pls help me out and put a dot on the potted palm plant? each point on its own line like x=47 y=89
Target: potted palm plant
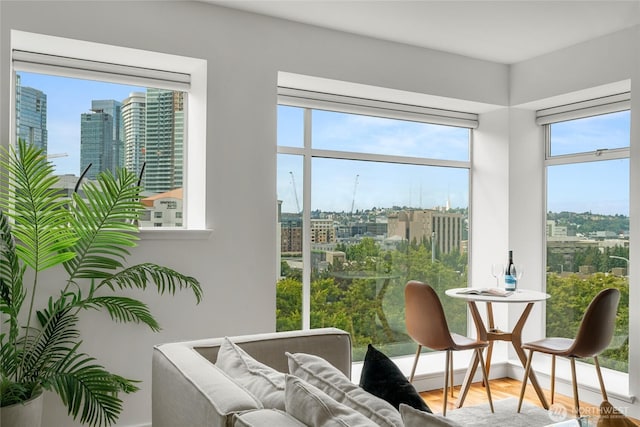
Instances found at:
x=89 y=238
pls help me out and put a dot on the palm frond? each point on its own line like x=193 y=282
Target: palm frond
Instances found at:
x=12 y=392
x=104 y=223
x=165 y=279
x=88 y=390
x=12 y=293
x=40 y=221
x=55 y=340
x=123 y=309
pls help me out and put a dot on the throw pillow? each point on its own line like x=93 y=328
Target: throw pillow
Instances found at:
x=611 y=417
x=381 y=377
x=318 y=372
x=313 y=407
x=264 y=418
x=264 y=382
x=415 y=418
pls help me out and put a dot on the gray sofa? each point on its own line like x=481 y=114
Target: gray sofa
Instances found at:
x=189 y=390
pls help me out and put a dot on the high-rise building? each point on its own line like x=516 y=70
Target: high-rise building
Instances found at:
x=96 y=143
x=134 y=129
x=164 y=140
x=31 y=115
x=113 y=108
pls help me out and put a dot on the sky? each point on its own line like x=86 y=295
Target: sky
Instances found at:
x=346 y=185
x=67 y=99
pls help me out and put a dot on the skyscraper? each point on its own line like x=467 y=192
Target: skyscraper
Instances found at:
x=96 y=143
x=133 y=121
x=31 y=115
x=164 y=140
x=113 y=108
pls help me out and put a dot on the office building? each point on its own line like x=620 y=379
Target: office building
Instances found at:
x=96 y=143
x=164 y=140
x=31 y=115
x=133 y=135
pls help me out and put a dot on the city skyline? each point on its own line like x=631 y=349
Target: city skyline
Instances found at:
x=342 y=186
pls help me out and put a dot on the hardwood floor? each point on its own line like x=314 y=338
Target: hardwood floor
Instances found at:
x=500 y=389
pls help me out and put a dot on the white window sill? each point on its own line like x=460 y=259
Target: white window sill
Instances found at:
x=174 y=234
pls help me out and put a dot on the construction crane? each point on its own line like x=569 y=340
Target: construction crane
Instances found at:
x=56 y=155
x=295 y=192
x=353 y=200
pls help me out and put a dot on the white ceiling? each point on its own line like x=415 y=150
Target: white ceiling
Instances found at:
x=506 y=31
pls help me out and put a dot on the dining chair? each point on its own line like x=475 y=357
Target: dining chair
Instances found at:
x=427 y=326
x=594 y=335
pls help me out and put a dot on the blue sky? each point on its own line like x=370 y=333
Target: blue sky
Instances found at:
x=600 y=187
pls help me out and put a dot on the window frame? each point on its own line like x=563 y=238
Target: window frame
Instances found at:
x=312 y=100
x=589 y=108
x=195 y=127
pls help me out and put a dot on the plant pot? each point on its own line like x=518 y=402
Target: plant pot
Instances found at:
x=23 y=414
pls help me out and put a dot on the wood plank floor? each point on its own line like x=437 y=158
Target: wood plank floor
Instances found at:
x=500 y=389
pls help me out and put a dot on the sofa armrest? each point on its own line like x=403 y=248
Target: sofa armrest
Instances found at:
x=188 y=390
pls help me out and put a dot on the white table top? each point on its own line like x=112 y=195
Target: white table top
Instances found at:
x=521 y=295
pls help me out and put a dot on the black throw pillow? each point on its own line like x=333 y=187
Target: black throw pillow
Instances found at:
x=382 y=378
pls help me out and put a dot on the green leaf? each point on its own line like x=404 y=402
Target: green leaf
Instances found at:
x=123 y=309
x=105 y=225
x=88 y=390
x=40 y=222
x=165 y=279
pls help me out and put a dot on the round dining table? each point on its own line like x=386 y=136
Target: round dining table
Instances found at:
x=489 y=332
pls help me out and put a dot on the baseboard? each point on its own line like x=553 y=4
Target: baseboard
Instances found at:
x=435 y=380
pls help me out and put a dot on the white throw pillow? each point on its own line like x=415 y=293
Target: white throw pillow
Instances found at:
x=314 y=407
x=318 y=372
x=265 y=418
x=264 y=382
x=415 y=418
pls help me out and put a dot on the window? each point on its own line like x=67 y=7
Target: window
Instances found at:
x=587 y=238
x=367 y=202
x=90 y=115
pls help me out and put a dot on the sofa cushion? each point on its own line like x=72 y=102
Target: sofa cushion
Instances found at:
x=416 y=418
x=314 y=407
x=381 y=377
x=261 y=380
x=265 y=418
x=323 y=375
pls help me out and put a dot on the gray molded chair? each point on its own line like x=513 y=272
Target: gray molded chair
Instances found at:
x=594 y=335
x=427 y=325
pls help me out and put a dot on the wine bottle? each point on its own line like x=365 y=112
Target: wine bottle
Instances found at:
x=510 y=275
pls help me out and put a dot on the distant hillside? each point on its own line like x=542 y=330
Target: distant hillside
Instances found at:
x=588 y=222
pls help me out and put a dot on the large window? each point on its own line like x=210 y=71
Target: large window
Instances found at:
x=93 y=115
x=366 y=203
x=588 y=220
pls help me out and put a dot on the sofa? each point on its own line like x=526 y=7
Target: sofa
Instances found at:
x=188 y=389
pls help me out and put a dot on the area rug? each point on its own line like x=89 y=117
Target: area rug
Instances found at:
x=506 y=415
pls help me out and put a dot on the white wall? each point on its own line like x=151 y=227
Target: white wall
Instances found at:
x=244 y=52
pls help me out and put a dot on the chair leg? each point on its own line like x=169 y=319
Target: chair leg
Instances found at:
x=446 y=383
x=485 y=376
x=602 y=389
x=553 y=376
x=415 y=363
x=527 y=369
x=451 y=374
x=576 y=400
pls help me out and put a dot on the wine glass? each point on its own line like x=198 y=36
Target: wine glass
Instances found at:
x=519 y=273
x=497 y=270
